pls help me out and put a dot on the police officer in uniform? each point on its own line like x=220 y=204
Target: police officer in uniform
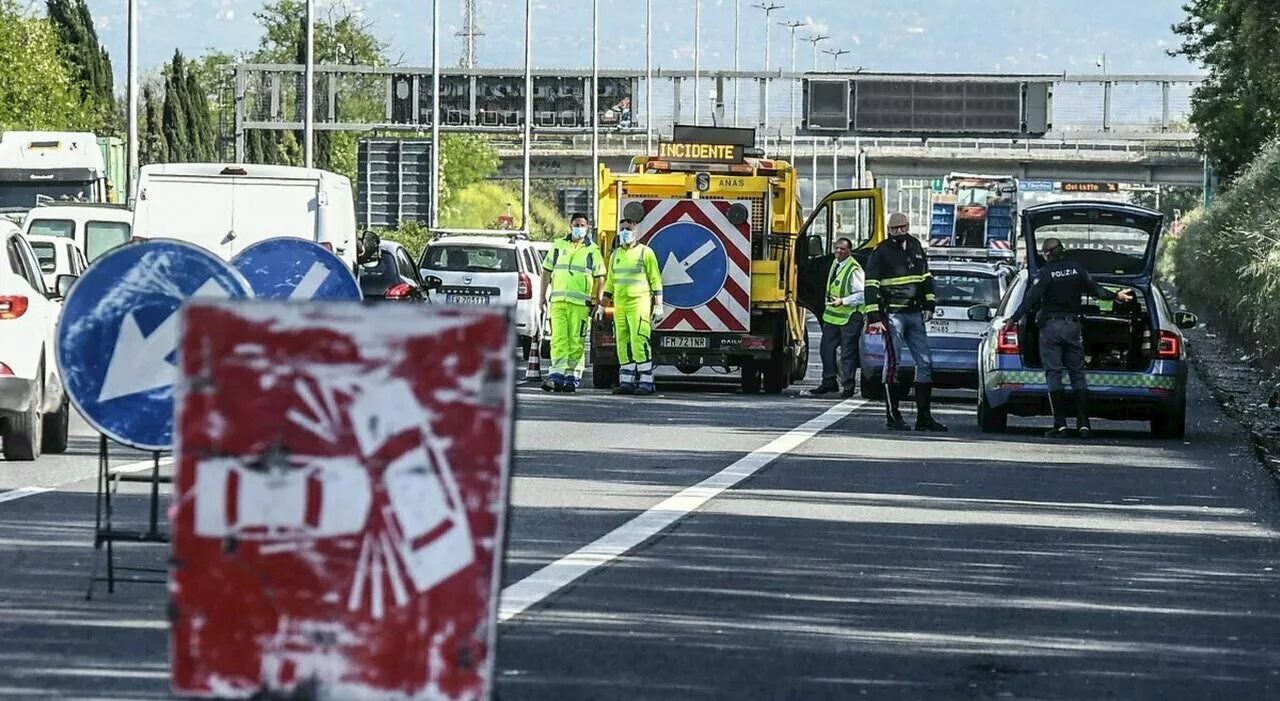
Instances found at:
x=1058 y=295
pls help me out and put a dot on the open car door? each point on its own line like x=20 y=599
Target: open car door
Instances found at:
x=855 y=214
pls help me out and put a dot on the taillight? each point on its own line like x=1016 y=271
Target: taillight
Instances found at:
x=327 y=246
x=1007 y=342
x=526 y=287
x=5 y=369
x=137 y=239
x=1170 y=347
x=399 y=291
x=13 y=306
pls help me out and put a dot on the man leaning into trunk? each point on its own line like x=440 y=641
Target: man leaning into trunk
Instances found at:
x=1058 y=295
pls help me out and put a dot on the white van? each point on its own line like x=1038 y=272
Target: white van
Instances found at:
x=95 y=228
x=225 y=208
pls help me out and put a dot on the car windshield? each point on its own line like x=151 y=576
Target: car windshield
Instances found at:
x=46 y=255
x=102 y=236
x=470 y=259
x=1101 y=248
x=965 y=289
x=61 y=228
x=31 y=194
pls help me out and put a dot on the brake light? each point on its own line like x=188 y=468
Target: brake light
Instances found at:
x=5 y=369
x=13 y=306
x=327 y=246
x=1170 y=347
x=1007 y=342
x=137 y=239
x=399 y=291
x=526 y=287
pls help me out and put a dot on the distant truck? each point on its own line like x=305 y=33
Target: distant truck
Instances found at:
x=976 y=212
x=51 y=166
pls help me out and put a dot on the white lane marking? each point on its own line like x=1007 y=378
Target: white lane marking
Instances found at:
x=24 y=492
x=527 y=592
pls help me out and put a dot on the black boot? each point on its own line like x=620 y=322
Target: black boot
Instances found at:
x=1058 y=403
x=1082 y=414
x=893 y=416
x=924 y=409
x=826 y=387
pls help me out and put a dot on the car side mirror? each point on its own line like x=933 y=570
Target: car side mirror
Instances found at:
x=63 y=284
x=369 y=247
x=431 y=282
x=980 y=312
x=815 y=246
x=1185 y=320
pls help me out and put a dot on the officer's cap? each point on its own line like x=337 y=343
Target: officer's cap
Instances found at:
x=1050 y=245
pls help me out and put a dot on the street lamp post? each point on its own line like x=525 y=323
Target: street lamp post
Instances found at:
x=697 y=73
x=595 y=109
x=648 y=76
x=815 y=40
x=132 y=119
x=768 y=8
x=737 y=65
x=792 y=25
x=309 y=89
x=835 y=56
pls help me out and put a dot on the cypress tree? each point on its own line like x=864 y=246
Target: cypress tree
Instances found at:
x=176 y=121
x=90 y=63
x=152 y=147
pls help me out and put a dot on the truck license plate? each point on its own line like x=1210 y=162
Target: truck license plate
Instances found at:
x=685 y=341
x=940 y=327
x=467 y=299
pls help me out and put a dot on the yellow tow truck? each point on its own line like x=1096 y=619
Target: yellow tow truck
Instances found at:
x=740 y=262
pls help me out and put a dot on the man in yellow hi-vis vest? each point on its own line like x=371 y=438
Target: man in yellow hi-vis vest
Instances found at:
x=634 y=283
x=575 y=272
x=842 y=321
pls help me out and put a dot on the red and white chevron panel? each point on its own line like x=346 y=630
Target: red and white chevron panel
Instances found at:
x=730 y=310
x=999 y=245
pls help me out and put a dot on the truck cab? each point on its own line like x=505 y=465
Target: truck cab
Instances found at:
x=49 y=166
x=740 y=263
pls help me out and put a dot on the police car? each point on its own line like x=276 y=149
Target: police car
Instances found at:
x=964 y=280
x=1135 y=362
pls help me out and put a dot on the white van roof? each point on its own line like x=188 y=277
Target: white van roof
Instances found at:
x=251 y=170
x=82 y=211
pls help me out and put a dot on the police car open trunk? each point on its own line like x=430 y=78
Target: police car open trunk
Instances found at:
x=1116 y=243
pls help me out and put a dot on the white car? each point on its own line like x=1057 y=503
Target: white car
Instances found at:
x=95 y=228
x=57 y=256
x=35 y=412
x=487 y=269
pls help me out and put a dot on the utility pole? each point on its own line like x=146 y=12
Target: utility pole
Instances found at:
x=309 y=88
x=131 y=177
x=470 y=30
x=768 y=9
x=793 y=25
x=648 y=77
x=815 y=40
x=835 y=56
x=697 y=73
x=737 y=65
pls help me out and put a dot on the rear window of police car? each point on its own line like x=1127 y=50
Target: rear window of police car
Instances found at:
x=470 y=259
x=966 y=289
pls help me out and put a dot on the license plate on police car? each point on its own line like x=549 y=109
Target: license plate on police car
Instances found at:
x=941 y=327
x=467 y=299
x=685 y=341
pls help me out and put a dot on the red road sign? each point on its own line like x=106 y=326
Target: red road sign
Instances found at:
x=340 y=500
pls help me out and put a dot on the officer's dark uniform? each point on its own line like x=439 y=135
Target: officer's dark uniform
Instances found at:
x=1058 y=295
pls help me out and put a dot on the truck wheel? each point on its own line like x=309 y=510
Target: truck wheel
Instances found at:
x=802 y=365
x=870 y=387
x=750 y=377
x=776 y=373
x=57 y=429
x=604 y=376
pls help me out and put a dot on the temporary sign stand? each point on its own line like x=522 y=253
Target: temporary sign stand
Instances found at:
x=127 y=304
x=104 y=530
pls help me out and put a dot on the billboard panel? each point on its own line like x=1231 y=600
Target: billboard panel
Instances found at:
x=925 y=107
x=393 y=182
x=455 y=99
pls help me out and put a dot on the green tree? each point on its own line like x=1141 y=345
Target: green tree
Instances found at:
x=91 y=65
x=1172 y=200
x=1237 y=109
x=152 y=147
x=38 y=89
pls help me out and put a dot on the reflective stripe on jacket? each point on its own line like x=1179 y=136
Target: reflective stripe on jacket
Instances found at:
x=841 y=283
x=572 y=267
x=633 y=273
x=898 y=279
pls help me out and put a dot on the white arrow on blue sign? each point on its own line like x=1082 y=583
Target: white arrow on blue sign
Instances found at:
x=694 y=264
x=119 y=331
x=291 y=268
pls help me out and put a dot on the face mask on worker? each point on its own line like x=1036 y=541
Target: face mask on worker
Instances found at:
x=627 y=236
x=578 y=233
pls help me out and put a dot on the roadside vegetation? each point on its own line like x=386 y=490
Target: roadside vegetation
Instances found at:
x=1226 y=261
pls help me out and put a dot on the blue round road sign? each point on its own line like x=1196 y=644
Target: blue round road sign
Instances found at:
x=292 y=268
x=693 y=261
x=118 y=334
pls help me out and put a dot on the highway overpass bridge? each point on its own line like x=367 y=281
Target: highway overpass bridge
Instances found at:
x=1151 y=161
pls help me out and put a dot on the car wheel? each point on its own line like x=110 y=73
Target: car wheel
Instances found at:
x=23 y=439
x=870 y=387
x=990 y=419
x=1172 y=424
x=57 y=429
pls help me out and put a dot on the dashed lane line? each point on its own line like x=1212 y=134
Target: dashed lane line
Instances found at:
x=24 y=492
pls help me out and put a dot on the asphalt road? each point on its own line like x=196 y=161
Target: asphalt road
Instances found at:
x=853 y=563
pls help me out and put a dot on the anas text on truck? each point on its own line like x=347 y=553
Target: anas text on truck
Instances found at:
x=740 y=261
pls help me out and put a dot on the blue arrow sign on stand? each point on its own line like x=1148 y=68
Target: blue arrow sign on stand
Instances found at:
x=119 y=330
x=694 y=264
x=292 y=268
